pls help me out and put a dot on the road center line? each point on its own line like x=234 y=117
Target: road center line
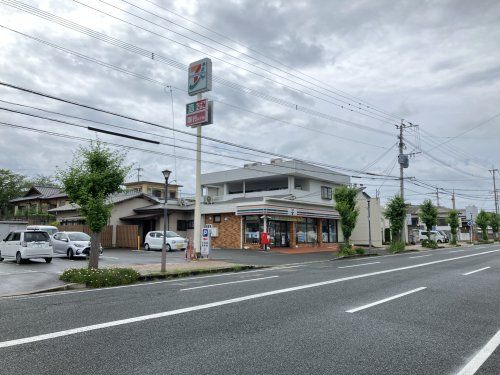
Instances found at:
x=385 y=300
x=481 y=357
x=74 y=331
x=420 y=256
x=359 y=265
x=479 y=270
x=229 y=282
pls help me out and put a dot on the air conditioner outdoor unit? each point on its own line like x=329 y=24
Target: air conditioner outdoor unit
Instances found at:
x=214 y=232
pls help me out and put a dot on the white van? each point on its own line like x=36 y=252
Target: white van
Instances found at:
x=26 y=244
x=51 y=230
x=434 y=234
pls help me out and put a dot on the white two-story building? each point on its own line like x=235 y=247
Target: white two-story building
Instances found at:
x=295 y=199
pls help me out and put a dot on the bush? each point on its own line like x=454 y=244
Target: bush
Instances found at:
x=346 y=250
x=396 y=247
x=100 y=278
x=430 y=244
x=359 y=250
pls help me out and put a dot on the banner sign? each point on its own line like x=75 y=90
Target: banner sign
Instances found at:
x=200 y=76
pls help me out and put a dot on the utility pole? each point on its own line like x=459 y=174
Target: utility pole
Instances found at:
x=139 y=169
x=369 y=228
x=437 y=196
x=493 y=171
x=453 y=199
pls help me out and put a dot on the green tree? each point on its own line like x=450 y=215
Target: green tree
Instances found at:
x=42 y=180
x=454 y=222
x=345 y=204
x=495 y=223
x=428 y=214
x=12 y=185
x=395 y=212
x=95 y=173
x=482 y=221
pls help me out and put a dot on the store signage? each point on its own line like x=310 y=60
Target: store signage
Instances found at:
x=197 y=113
x=200 y=76
x=206 y=242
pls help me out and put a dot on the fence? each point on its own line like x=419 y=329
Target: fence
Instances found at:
x=112 y=235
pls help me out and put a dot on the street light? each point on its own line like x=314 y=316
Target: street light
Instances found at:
x=166 y=174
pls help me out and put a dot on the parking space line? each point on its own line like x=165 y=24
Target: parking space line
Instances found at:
x=481 y=357
x=229 y=282
x=420 y=256
x=385 y=300
x=359 y=265
x=479 y=270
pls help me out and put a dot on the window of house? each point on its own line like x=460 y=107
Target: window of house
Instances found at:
x=442 y=221
x=185 y=224
x=252 y=230
x=306 y=231
x=156 y=193
x=171 y=194
x=217 y=218
x=326 y=192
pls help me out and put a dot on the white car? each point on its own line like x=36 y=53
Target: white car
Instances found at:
x=435 y=236
x=46 y=228
x=26 y=244
x=154 y=241
x=72 y=244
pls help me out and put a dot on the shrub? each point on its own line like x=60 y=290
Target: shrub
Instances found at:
x=100 y=278
x=396 y=247
x=430 y=244
x=346 y=250
x=359 y=250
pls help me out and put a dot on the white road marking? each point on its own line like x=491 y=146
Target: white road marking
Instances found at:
x=479 y=270
x=26 y=340
x=229 y=282
x=455 y=251
x=385 y=300
x=106 y=257
x=420 y=256
x=481 y=357
x=359 y=265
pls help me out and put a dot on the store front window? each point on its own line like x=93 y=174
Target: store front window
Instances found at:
x=252 y=230
x=329 y=230
x=306 y=231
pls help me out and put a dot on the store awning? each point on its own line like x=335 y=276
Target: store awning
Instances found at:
x=287 y=211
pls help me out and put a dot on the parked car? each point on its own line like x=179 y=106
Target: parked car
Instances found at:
x=154 y=241
x=46 y=228
x=435 y=236
x=445 y=235
x=72 y=244
x=26 y=244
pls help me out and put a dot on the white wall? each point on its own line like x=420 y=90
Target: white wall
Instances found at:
x=126 y=208
x=360 y=234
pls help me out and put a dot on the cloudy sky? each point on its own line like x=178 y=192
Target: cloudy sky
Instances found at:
x=323 y=81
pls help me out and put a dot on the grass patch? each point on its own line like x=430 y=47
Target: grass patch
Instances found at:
x=100 y=278
x=349 y=251
x=429 y=244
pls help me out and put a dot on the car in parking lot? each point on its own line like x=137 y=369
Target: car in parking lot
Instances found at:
x=26 y=244
x=51 y=230
x=154 y=241
x=72 y=244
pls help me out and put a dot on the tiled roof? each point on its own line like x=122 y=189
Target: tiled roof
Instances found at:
x=114 y=199
x=44 y=192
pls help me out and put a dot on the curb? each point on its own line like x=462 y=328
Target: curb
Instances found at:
x=188 y=273
x=47 y=290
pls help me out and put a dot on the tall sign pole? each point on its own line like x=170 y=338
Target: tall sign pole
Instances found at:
x=198 y=114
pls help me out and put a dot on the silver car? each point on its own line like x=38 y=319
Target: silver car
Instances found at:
x=72 y=244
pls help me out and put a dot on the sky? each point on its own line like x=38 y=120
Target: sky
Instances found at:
x=321 y=81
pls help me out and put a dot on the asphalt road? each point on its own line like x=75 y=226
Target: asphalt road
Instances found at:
x=37 y=275
x=417 y=313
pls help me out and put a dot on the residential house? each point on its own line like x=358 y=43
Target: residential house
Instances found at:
x=39 y=199
x=154 y=189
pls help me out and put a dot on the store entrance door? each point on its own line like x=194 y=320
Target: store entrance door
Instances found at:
x=279 y=233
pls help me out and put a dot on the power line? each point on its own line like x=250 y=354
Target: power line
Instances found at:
x=163 y=84
x=289 y=68
x=160 y=58
x=184 y=132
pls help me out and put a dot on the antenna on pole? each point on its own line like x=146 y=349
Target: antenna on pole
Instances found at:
x=139 y=169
